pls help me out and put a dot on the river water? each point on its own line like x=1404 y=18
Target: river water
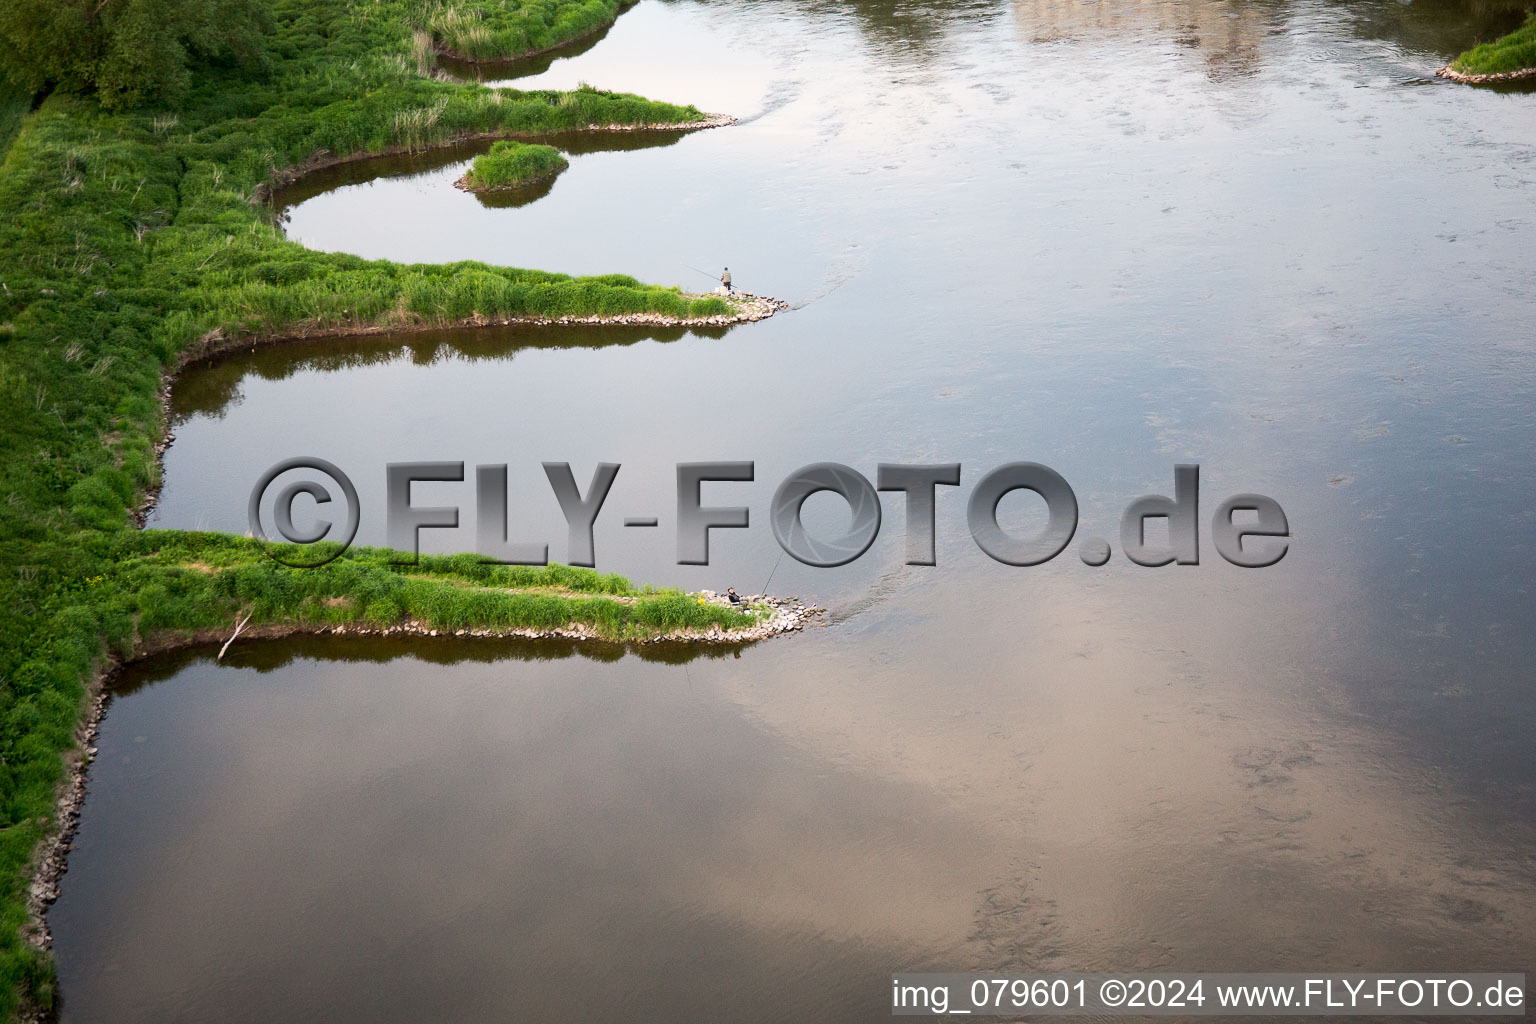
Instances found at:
x=1107 y=237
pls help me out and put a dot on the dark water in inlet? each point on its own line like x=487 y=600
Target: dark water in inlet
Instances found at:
x=1103 y=236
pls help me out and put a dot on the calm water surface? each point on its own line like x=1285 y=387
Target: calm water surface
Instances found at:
x=1103 y=236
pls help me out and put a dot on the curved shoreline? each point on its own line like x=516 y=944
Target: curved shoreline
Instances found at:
x=750 y=309
x=51 y=863
x=1451 y=74
x=49 y=857
x=267 y=192
x=442 y=50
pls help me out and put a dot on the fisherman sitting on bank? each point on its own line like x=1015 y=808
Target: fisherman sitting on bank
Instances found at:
x=732 y=596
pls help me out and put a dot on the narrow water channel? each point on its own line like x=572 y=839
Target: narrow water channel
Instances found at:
x=1107 y=237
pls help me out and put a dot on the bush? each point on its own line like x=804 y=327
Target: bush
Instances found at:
x=511 y=165
x=129 y=51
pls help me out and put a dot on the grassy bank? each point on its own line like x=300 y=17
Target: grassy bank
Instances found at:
x=14 y=104
x=491 y=32
x=1513 y=53
x=511 y=165
x=170 y=584
x=129 y=239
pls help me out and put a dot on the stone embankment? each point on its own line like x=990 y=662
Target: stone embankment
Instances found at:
x=750 y=308
x=783 y=615
x=1520 y=74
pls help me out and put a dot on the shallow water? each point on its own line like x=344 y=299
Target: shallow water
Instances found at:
x=1105 y=237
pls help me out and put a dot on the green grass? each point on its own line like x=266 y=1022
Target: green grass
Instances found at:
x=14 y=104
x=1514 y=52
x=130 y=240
x=513 y=165
x=174 y=582
x=493 y=30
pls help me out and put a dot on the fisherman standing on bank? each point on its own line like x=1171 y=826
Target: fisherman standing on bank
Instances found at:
x=725 y=280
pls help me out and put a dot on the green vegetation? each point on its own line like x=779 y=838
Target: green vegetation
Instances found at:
x=14 y=104
x=128 y=51
x=1514 y=52
x=131 y=238
x=172 y=582
x=493 y=31
x=513 y=165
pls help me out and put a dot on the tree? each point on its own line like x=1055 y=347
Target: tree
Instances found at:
x=130 y=51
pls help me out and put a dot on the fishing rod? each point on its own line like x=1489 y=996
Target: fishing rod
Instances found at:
x=769 y=580
x=696 y=270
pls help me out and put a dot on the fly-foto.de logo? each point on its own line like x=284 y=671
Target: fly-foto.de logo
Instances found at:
x=1248 y=530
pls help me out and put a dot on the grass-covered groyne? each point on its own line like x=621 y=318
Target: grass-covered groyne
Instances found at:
x=1507 y=59
x=135 y=237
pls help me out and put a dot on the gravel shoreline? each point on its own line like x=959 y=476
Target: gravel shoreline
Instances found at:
x=1453 y=75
